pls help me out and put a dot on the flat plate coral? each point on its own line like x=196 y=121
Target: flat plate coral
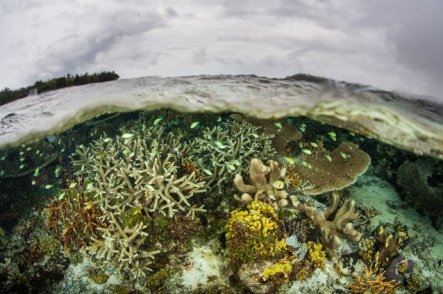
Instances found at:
x=408 y=122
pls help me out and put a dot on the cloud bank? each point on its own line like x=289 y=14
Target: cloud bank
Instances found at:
x=394 y=45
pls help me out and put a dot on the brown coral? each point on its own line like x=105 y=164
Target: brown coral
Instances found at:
x=266 y=184
x=332 y=171
x=332 y=230
x=371 y=282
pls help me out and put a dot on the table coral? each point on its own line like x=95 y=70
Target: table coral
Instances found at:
x=333 y=171
x=332 y=230
x=254 y=234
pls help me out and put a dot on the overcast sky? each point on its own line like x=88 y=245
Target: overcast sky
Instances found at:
x=391 y=44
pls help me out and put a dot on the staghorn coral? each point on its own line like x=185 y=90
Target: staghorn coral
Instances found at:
x=332 y=230
x=133 y=176
x=266 y=184
x=283 y=133
x=333 y=171
x=371 y=282
x=230 y=147
x=254 y=234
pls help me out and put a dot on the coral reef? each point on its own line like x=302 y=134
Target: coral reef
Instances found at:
x=371 y=282
x=314 y=259
x=332 y=230
x=254 y=234
x=332 y=171
x=266 y=184
x=421 y=183
x=279 y=272
x=74 y=218
x=283 y=133
x=133 y=176
x=224 y=150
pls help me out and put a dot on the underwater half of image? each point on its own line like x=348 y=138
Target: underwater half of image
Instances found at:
x=169 y=202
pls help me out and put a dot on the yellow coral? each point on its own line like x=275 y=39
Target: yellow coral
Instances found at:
x=279 y=270
x=316 y=254
x=254 y=233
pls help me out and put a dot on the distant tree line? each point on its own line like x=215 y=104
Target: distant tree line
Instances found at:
x=7 y=95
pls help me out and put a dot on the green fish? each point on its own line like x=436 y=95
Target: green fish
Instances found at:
x=21 y=153
x=22 y=166
x=37 y=172
x=304 y=163
x=333 y=136
x=157 y=120
x=344 y=155
x=207 y=171
x=236 y=162
x=290 y=160
x=89 y=187
x=219 y=119
x=33 y=183
x=307 y=151
x=195 y=124
x=73 y=185
x=127 y=136
x=22 y=159
x=49 y=186
x=278 y=125
x=313 y=144
x=61 y=196
x=302 y=128
x=219 y=145
x=255 y=135
x=328 y=157
x=230 y=166
x=106 y=140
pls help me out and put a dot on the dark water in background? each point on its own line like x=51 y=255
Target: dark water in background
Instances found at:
x=145 y=202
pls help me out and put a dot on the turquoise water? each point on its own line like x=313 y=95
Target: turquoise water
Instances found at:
x=167 y=202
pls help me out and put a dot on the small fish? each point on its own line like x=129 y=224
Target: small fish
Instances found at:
x=278 y=125
x=352 y=134
x=22 y=166
x=106 y=140
x=290 y=160
x=328 y=157
x=22 y=159
x=154 y=152
x=49 y=186
x=304 y=163
x=236 y=162
x=219 y=119
x=89 y=187
x=137 y=210
x=157 y=120
x=230 y=166
x=219 y=145
x=3 y=157
x=58 y=170
x=21 y=153
x=332 y=135
x=37 y=172
x=307 y=151
x=37 y=152
x=72 y=185
x=302 y=128
x=313 y=144
x=33 y=183
x=344 y=155
x=61 y=196
x=255 y=135
x=51 y=138
x=195 y=124
x=29 y=149
x=127 y=136
x=2 y=173
x=63 y=150
x=207 y=171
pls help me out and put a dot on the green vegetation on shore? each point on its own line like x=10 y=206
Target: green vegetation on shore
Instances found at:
x=7 y=95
